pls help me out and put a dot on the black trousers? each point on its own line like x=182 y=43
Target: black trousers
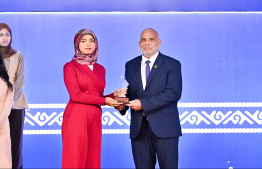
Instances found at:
x=16 y=120
x=147 y=146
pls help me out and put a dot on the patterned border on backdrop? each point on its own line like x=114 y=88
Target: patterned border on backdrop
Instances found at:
x=192 y=121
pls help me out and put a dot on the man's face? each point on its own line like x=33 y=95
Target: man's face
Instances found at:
x=149 y=42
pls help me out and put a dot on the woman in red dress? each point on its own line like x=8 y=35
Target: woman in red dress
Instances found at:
x=82 y=125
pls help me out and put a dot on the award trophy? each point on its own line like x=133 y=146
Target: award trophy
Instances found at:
x=121 y=97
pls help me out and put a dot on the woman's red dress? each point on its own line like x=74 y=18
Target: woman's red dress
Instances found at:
x=82 y=126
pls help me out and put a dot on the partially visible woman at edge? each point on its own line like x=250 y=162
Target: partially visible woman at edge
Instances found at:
x=82 y=125
x=14 y=64
x=6 y=100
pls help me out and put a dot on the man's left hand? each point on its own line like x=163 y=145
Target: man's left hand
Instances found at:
x=135 y=105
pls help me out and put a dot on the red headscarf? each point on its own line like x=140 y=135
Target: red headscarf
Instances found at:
x=7 y=50
x=81 y=58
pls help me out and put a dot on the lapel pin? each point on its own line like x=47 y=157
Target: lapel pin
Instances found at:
x=155 y=66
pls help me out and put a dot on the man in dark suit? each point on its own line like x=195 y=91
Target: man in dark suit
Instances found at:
x=155 y=86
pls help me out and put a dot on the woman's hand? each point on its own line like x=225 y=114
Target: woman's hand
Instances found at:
x=112 y=102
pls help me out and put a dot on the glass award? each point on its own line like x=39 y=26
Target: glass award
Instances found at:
x=122 y=84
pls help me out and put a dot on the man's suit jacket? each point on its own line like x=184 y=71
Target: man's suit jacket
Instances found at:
x=160 y=97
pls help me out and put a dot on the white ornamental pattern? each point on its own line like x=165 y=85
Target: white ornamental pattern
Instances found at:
x=194 y=118
x=217 y=117
x=109 y=119
x=42 y=118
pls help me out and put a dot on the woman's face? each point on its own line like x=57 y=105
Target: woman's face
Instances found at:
x=87 y=44
x=5 y=37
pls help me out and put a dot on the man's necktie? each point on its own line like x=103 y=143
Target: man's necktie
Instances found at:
x=147 y=69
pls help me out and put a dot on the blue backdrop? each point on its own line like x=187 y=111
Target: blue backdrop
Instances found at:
x=220 y=108
x=128 y=5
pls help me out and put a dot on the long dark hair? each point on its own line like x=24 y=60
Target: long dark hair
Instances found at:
x=3 y=72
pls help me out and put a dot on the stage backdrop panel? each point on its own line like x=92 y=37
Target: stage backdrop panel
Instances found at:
x=220 y=108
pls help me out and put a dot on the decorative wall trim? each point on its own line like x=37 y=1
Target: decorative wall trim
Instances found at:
x=216 y=120
x=193 y=117
x=41 y=132
x=182 y=105
x=184 y=131
x=220 y=104
x=222 y=130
